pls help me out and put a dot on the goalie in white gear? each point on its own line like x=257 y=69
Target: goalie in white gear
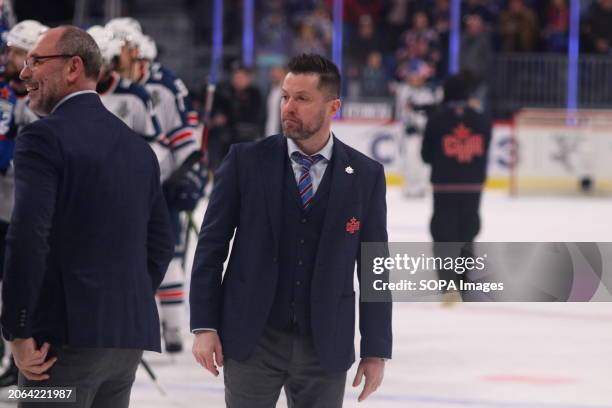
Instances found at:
x=184 y=187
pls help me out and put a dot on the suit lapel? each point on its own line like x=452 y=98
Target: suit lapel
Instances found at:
x=272 y=159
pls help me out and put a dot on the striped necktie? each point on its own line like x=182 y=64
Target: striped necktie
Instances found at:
x=305 y=183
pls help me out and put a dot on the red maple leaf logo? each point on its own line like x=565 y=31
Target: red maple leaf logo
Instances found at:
x=353 y=225
x=463 y=144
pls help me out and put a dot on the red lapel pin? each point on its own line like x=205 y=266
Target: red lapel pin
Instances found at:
x=353 y=225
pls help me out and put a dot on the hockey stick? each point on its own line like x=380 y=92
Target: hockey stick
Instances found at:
x=152 y=375
x=204 y=160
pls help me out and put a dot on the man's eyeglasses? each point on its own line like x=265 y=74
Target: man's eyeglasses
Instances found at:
x=36 y=60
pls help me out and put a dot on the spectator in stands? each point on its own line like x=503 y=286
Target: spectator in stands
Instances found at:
x=441 y=23
x=274 y=37
x=599 y=26
x=307 y=41
x=557 y=22
x=321 y=22
x=297 y=10
x=420 y=43
x=441 y=16
x=476 y=53
x=237 y=115
x=480 y=7
x=366 y=40
x=518 y=27
x=354 y=9
x=374 y=79
x=396 y=19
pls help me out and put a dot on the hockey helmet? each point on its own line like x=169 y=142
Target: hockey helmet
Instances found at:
x=147 y=48
x=109 y=46
x=126 y=29
x=25 y=34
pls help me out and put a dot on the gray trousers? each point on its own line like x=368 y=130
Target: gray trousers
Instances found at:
x=103 y=377
x=280 y=360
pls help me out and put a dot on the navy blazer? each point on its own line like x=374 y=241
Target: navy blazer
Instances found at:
x=90 y=238
x=247 y=199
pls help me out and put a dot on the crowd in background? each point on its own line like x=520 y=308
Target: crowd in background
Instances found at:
x=393 y=49
x=387 y=40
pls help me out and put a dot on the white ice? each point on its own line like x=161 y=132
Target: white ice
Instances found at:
x=493 y=355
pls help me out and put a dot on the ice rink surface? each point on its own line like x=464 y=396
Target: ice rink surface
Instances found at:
x=502 y=355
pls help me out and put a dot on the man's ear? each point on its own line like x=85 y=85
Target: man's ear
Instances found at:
x=75 y=69
x=335 y=106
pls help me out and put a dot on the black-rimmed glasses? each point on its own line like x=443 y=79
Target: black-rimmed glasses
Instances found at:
x=36 y=60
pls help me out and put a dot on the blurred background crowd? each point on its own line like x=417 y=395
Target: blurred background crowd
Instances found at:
x=394 y=51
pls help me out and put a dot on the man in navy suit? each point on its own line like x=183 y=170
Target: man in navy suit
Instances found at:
x=300 y=205
x=89 y=239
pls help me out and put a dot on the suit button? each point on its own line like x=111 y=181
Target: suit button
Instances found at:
x=304 y=220
x=275 y=259
x=300 y=262
x=302 y=241
x=298 y=283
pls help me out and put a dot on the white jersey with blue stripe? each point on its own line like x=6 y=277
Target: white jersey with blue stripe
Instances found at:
x=171 y=103
x=131 y=103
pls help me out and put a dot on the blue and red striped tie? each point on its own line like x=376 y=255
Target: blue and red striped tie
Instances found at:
x=305 y=183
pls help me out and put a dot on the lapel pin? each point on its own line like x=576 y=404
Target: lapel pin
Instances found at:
x=349 y=170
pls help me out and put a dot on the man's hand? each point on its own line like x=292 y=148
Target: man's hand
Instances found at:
x=205 y=345
x=30 y=360
x=373 y=368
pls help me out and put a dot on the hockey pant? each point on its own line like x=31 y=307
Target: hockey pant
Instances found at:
x=171 y=292
x=455 y=219
x=416 y=172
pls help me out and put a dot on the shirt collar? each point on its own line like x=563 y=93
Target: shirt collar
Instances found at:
x=326 y=151
x=65 y=98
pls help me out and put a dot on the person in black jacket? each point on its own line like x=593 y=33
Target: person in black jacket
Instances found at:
x=90 y=237
x=456 y=145
x=238 y=114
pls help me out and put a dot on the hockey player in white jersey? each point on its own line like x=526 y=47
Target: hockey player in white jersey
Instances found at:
x=415 y=97
x=180 y=125
x=127 y=100
x=128 y=30
x=20 y=40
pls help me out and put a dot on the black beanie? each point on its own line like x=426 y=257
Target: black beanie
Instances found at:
x=456 y=89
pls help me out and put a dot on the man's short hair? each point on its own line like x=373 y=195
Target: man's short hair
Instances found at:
x=77 y=42
x=329 y=75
